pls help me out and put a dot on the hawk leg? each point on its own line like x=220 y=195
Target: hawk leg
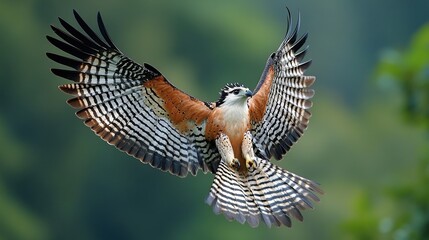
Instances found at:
x=248 y=154
x=226 y=152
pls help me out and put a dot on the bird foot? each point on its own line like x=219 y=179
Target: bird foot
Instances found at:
x=250 y=164
x=235 y=164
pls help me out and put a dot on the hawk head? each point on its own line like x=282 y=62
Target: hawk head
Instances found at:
x=232 y=94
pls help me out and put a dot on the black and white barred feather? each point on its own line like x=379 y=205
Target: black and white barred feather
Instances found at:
x=113 y=103
x=267 y=193
x=287 y=109
x=110 y=96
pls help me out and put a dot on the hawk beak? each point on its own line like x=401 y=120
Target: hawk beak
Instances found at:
x=249 y=93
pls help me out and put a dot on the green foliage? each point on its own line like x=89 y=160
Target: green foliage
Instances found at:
x=408 y=214
x=408 y=71
x=364 y=223
x=412 y=218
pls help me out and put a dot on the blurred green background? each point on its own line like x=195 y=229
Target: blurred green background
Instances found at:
x=367 y=143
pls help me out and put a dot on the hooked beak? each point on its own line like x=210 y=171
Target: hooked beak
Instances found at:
x=249 y=93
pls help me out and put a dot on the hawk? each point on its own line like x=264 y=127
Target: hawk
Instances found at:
x=136 y=109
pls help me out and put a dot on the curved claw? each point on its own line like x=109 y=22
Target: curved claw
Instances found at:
x=235 y=164
x=251 y=164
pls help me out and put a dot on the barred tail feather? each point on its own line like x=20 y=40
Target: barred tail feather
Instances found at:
x=268 y=193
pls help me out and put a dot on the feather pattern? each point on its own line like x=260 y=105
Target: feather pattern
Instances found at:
x=121 y=101
x=136 y=109
x=268 y=193
x=280 y=106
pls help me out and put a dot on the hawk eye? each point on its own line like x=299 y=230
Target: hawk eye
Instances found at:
x=236 y=91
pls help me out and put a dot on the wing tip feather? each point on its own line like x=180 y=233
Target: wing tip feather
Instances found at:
x=67 y=88
x=305 y=65
x=67 y=74
x=309 y=80
x=76 y=102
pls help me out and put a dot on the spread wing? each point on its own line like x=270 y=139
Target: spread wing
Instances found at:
x=132 y=106
x=279 y=109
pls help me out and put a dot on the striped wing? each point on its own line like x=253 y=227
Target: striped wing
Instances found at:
x=132 y=106
x=280 y=106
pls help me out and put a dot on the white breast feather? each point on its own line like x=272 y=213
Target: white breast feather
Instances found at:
x=236 y=117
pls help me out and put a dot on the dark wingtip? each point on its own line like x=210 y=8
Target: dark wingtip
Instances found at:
x=64 y=60
x=151 y=69
x=289 y=15
x=67 y=48
x=67 y=74
x=104 y=32
x=303 y=66
x=99 y=19
x=291 y=32
x=56 y=71
x=52 y=56
x=301 y=54
x=88 y=30
x=50 y=39
x=289 y=23
x=62 y=21
x=76 y=14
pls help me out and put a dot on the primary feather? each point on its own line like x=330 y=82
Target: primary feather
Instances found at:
x=136 y=109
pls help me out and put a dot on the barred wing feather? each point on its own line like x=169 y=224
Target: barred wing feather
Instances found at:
x=280 y=106
x=132 y=106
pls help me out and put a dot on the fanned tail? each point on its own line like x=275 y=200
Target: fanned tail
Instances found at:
x=268 y=192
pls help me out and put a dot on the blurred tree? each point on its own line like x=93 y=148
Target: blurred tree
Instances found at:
x=407 y=72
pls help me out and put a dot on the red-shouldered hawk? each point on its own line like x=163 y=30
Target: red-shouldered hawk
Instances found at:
x=136 y=109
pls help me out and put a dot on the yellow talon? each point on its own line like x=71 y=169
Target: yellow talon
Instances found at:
x=250 y=164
